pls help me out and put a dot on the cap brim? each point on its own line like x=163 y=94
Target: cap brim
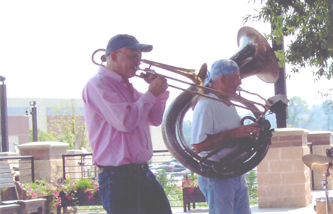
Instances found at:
x=142 y=47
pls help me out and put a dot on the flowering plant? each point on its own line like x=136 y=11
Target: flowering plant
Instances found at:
x=67 y=187
x=191 y=181
x=42 y=189
x=70 y=187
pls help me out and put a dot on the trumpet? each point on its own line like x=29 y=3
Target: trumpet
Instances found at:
x=197 y=83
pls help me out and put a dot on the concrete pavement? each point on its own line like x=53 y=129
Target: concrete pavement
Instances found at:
x=254 y=209
x=310 y=209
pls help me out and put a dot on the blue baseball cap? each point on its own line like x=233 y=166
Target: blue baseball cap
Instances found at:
x=124 y=40
x=221 y=67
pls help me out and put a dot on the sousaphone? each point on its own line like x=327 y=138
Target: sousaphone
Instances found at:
x=254 y=57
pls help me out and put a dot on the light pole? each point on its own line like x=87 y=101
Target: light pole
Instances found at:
x=3 y=113
x=280 y=87
x=33 y=112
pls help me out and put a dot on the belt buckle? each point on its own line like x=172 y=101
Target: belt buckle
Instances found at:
x=144 y=166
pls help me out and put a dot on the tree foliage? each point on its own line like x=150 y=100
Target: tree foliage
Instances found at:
x=42 y=136
x=327 y=108
x=67 y=125
x=309 y=23
x=316 y=118
x=297 y=112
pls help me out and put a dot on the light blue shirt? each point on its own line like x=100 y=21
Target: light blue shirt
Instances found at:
x=212 y=117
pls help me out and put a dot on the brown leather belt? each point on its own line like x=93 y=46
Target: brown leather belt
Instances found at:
x=143 y=166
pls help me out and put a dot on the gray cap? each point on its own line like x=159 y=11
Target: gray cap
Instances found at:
x=124 y=40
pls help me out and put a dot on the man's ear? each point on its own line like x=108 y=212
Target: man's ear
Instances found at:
x=113 y=55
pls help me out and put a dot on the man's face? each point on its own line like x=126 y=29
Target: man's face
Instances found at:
x=233 y=81
x=128 y=61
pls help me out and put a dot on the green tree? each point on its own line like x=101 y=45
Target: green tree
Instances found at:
x=68 y=125
x=310 y=25
x=297 y=112
x=42 y=136
x=251 y=180
x=170 y=187
x=327 y=108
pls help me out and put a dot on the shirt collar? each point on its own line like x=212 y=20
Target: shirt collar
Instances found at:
x=107 y=72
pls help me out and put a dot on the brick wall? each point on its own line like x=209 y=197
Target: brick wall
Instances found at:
x=283 y=179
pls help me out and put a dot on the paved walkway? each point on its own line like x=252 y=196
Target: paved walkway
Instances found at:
x=254 y=209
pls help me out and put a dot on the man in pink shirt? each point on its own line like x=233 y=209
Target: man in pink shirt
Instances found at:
x=118 y=119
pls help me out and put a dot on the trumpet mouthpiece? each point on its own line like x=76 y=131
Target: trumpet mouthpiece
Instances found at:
x=148 y=70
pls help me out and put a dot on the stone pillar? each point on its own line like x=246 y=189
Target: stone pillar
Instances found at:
x=48 y=158
x=283 y=179
x=321 y=141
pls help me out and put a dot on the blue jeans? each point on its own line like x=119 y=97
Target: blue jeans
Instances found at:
x=130 y=189
x=228 y=196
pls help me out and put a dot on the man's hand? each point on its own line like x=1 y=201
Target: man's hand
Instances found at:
x=250 y=131
x=214 y=141
x=148 y=77
x=158 y=85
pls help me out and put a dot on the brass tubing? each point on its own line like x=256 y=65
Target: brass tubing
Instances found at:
x=190 y=73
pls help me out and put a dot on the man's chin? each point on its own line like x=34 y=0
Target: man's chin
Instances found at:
x=132 y=75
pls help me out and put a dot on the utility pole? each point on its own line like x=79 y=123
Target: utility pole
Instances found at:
x=4 y=117
x=33 y=111
x=280 y=88
x=34 y=120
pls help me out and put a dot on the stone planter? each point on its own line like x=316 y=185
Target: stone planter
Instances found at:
x=192 y=195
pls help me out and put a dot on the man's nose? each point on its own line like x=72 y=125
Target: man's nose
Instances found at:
x=239 y=81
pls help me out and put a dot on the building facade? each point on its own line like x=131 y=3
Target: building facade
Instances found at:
x=50 y=112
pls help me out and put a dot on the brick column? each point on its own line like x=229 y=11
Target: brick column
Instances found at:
x=283 y=178
x=321 y=140
x=48 y=158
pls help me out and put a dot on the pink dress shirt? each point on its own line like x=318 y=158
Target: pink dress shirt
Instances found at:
x=118 y=119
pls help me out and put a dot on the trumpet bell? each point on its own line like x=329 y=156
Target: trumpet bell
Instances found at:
x=255 y=56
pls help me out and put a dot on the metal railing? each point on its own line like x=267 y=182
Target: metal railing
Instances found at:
x=162 y=164
x=78 y=166
x=22 y=167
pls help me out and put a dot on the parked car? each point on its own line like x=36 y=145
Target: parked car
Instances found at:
x=159 y=168
x=176 y=171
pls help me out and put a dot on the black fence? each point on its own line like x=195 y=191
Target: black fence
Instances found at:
x=78 y=166
x=167 y=170
x=23 y=167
